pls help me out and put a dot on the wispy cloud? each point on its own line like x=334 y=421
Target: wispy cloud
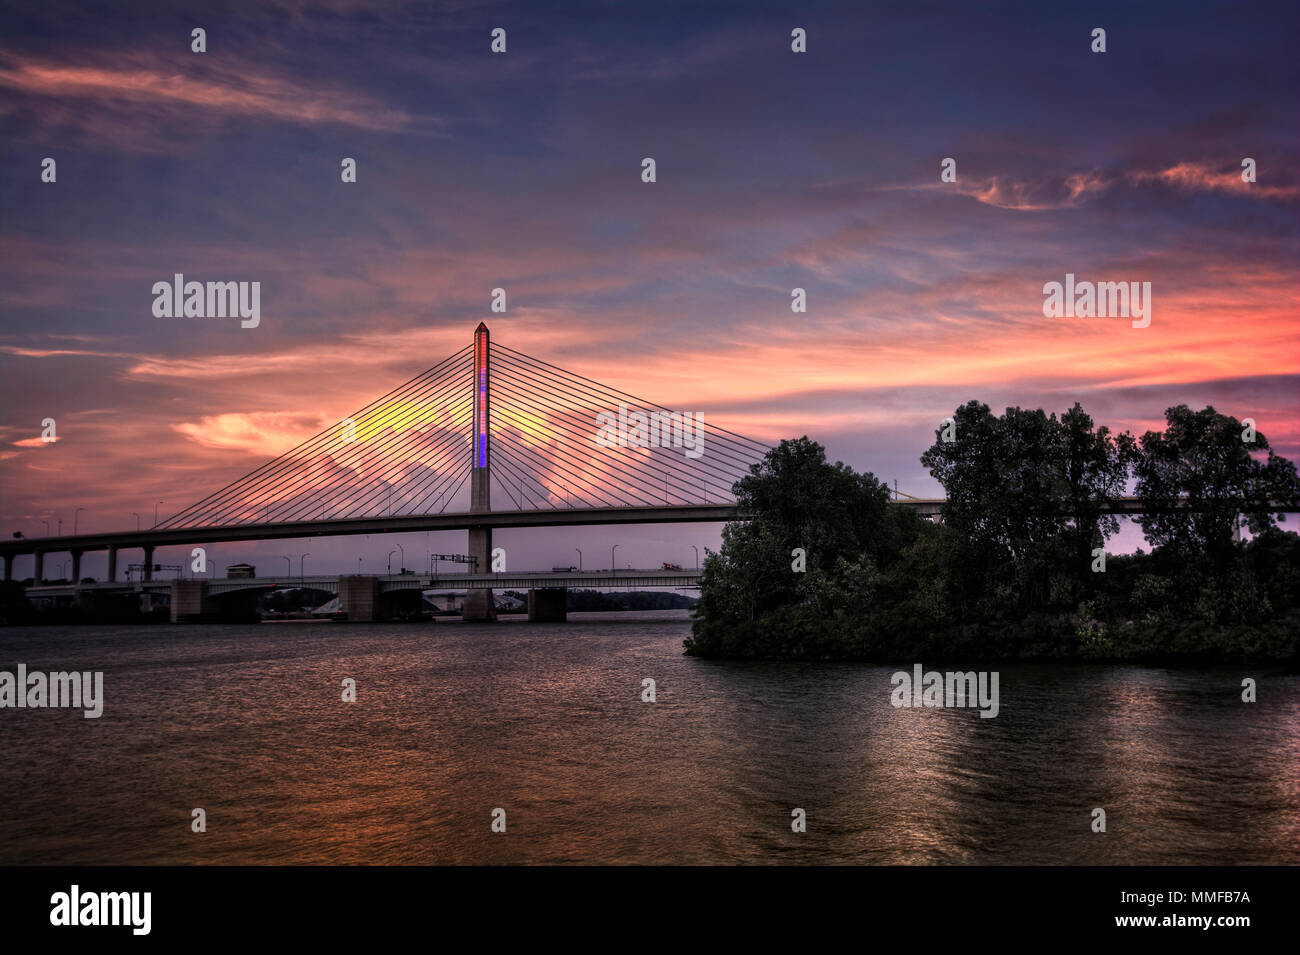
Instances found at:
x=136 y=80
x=1202 y=177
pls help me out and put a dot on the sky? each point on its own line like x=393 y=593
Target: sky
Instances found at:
x=522 y=170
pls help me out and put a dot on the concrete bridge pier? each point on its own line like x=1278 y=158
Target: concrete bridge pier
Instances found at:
x=38 y=570
x=359 y=598
x=190 y=601
x=148 y=562
x=547 y=605
x=112 y=564
x=479 y=605
x=76 y=567
x=9 y=567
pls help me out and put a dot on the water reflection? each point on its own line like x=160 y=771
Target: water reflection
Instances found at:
x=547 y=722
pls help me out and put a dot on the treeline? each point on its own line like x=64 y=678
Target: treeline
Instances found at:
x=594 y=600
x=828 y=568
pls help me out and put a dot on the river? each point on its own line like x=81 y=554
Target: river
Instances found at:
x=547 y=722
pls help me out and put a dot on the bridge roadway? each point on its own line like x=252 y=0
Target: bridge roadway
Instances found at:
x=78 y=544
x=362 y=597
x=180 y=536
x=522 y=580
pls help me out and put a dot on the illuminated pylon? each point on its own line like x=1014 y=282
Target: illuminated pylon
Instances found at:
x=478 y=602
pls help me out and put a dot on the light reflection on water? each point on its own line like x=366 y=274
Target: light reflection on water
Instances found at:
x=546 y=721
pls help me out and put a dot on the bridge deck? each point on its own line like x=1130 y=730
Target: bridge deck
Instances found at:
x=556 y=517
x=522 y=580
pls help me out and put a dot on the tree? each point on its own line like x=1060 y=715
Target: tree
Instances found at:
x=1027 y=493
x=1096 y=468
x=752 y=600
x=1200 y=475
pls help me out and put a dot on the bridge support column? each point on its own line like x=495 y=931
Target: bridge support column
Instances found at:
x=359 y=598
x=148 y=562
x=38 y=569
x=479 y=606
x=190 y=603
x=9 y=567
x=548 y=605
x=112 y=564
x=76 y=567
x=478 y=602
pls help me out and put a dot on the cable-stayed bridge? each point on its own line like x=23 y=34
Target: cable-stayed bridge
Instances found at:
x=487 y=438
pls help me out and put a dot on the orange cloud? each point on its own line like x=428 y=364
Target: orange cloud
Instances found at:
x=1192 y=176
x=257 y=433
x=1029 y=196
x=235 y=91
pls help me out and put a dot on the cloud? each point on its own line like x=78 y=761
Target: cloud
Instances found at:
x=1201 y=177
x=235 y=91
x=261 y=433
x=1034 y=196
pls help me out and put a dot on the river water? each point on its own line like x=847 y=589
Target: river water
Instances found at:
x=547 y=722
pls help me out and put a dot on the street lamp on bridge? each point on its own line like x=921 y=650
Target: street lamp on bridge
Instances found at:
x=137 y=519
x=697 y=556
x=289 y=561
x=74 y=520
x=579 y=550
x=301 y=563
x=613 y=569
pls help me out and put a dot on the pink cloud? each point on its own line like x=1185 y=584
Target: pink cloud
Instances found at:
x=262 y=433
x=236 y=91
x=1027 y=196
x=1201 y=177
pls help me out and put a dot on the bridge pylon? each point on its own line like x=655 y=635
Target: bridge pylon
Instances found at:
x=478 y=602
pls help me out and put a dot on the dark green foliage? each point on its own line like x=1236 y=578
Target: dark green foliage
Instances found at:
x=1009 y=572
x=596 y=600
x=1201 y=457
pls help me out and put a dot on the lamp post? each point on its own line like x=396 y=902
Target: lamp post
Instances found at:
x=302 y=561
x=74 y=519
x=579 y=550
x=358 y=566
x=697 y=556
x=613 y=570
x=288 y=560
x=403 y=553
x=390 y=562
x=137 y=520
x=47 y=528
